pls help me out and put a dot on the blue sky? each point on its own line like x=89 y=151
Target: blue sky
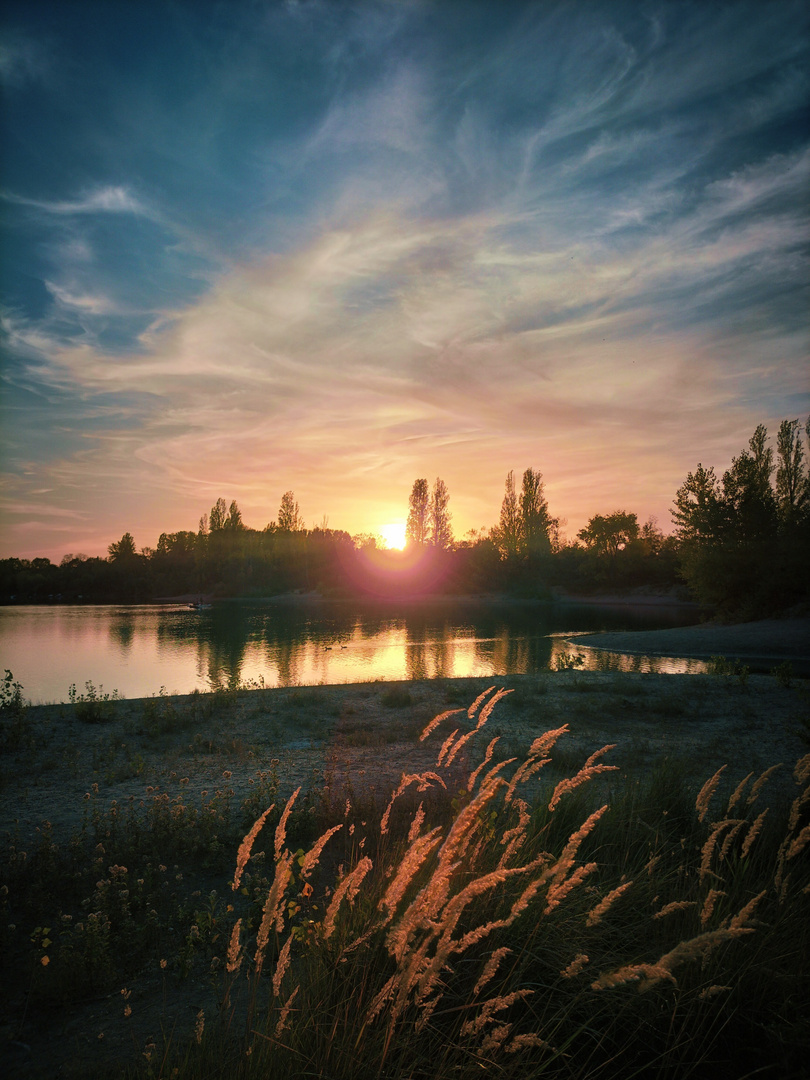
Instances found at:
x=332 y=247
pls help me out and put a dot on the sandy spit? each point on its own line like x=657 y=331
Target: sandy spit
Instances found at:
x=770 y=639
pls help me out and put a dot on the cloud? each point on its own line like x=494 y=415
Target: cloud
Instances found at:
x=572 y=237
x=103 y=200
x=92 y=305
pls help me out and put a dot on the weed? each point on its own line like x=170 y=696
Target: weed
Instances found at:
x=396 y=697
x=93 y=706
x=721 y=665
x=784 y=674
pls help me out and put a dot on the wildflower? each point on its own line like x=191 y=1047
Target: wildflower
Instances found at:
x=199 y=1027
x=45 y=961
x=163 y=965
x=127 y=1011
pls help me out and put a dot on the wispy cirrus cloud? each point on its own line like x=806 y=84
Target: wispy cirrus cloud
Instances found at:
x=572 y=238
x=103 y=200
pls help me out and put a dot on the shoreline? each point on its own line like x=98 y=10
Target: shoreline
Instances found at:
x=560 y=597
x=774 y=640
x=362 y=736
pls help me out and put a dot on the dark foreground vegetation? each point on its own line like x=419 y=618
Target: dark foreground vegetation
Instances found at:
x=509 y=917
x=740 y=545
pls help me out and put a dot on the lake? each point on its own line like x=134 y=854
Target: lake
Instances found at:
x=138 y=649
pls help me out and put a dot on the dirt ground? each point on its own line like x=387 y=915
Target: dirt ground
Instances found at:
x=366 y=735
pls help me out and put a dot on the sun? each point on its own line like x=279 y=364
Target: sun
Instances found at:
x=394 y=534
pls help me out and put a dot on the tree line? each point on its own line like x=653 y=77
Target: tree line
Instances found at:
x=739 y=544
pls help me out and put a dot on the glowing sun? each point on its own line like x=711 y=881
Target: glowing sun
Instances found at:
x=394 y=534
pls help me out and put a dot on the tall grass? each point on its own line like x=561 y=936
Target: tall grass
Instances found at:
x=490 y=917
x=470 y=930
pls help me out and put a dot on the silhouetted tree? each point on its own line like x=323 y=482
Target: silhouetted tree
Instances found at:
x=506 y=535
x=216 y=519
x=441 y=534
x=791 y=482
x=742 y=545
x=289 y=516
x=122 y=550
x=608 y=534
x=417 y=527
x=535 y=522
x=233 y=521
x=698 y=512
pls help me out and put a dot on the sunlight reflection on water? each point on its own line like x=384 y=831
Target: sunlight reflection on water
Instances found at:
x=136 y=650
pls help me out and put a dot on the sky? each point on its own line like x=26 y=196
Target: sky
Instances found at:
x=332 y=247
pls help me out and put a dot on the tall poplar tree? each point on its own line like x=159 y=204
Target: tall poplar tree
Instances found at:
x=441 y=534
x=535 y=521
x=791 y=482
x=418 y=525
x=507 y=533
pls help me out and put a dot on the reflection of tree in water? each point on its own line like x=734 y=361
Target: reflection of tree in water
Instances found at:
x=122 y=630
x=224 y=647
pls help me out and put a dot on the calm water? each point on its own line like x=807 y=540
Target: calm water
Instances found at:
x=137 y=649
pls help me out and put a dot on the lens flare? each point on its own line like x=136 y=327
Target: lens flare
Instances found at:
x=394 y=534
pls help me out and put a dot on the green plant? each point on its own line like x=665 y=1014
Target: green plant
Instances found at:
x=14 y=727
x=396 y=697
x=93 y=706
x=721 y=665
x=784 y=674
x=11 y=699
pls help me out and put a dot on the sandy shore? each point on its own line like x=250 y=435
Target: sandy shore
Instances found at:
x=364 y=735
x=774 y=640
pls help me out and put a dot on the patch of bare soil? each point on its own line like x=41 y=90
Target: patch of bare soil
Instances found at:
x=357 y=738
